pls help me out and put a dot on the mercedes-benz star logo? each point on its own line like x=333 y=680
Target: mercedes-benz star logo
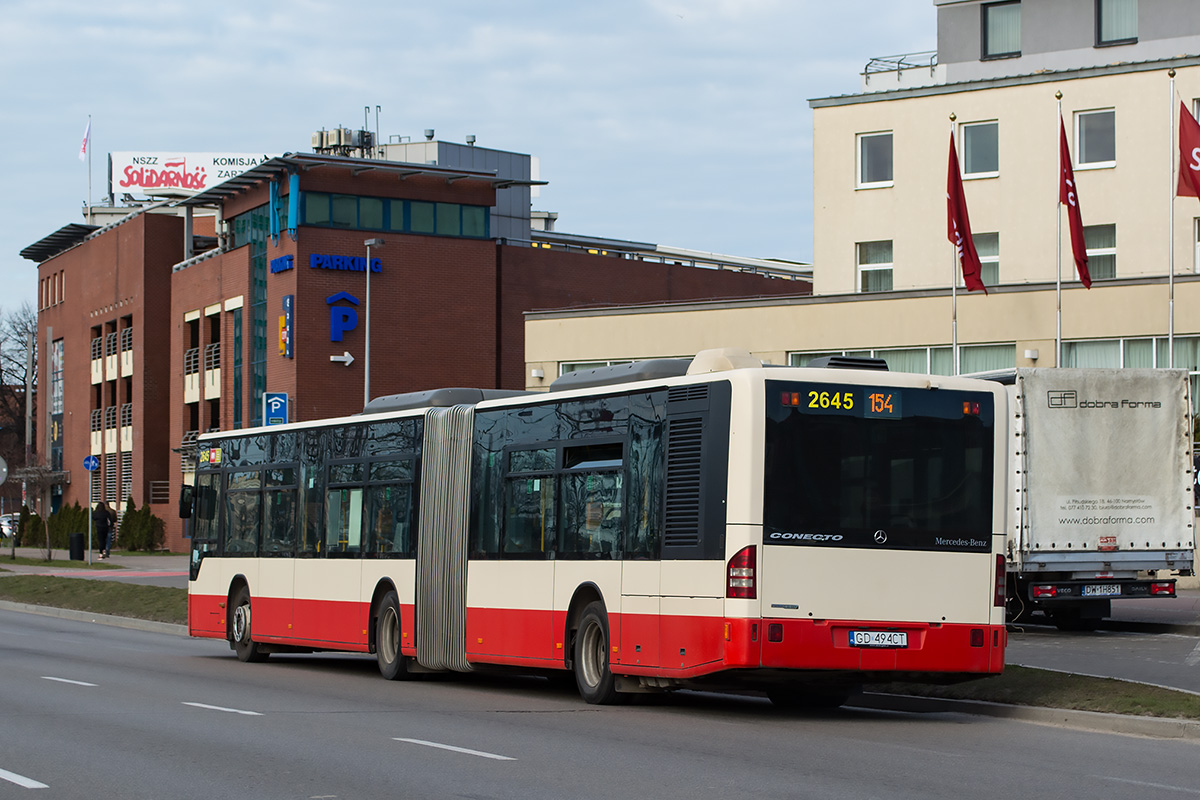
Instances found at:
x=880 y=537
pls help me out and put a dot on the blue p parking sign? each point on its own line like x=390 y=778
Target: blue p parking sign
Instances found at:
x=275 y=408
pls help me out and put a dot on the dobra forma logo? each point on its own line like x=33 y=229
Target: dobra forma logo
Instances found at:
x=1070 y=399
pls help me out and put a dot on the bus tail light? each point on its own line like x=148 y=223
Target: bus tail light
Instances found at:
x=977 y=637
x=1001 y=585
x=1163 y=588
x=740 y=580
x=1045 y=591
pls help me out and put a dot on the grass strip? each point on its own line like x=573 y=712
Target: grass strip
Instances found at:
x=157 y=603
x=1028 y=686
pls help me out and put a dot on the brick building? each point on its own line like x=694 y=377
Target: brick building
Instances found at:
x=180 y=317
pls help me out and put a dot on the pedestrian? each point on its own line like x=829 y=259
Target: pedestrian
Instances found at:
x=103 y=518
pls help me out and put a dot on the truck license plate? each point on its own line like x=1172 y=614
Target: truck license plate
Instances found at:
x=1102 y=590
x=878 y=639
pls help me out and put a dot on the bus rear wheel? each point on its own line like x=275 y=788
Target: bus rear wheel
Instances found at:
x=239 y=629
x=592 y=674
x=392 y=663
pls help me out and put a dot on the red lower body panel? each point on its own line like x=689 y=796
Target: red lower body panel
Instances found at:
x=825 y=645
x=666 y=646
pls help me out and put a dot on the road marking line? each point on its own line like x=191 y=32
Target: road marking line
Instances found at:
x=479 y=753
x=21 y=780
x=222 y=708
x=66 y=680
x=1193 y=658
x=1148 y=784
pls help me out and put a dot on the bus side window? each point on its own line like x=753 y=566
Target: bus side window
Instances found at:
x=279 y=535
x=242 y=513
x=344 y=510
x=529 y=514
x=645 y=488
x=529 y=502
x=592 y=500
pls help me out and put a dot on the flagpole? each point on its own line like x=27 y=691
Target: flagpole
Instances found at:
x=1171 y=232
x=1058 y=252
x=954 y=278
x=89 y=168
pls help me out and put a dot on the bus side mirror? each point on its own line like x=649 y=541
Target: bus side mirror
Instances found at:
x=185 y=502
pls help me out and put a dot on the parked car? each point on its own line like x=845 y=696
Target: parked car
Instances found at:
x=8 y=525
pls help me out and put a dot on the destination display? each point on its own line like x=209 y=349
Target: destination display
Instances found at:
x=857 y=401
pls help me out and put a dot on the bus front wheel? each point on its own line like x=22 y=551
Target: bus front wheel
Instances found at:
x=392 y=664
x=239 y=629
x=592 y=674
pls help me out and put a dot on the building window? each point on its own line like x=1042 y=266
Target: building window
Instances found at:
x=1196 y=244
x=1001 y=30
x=1096 y=138
x=1101 y=242
x=981 y=149
x=986 y=357
x=920 y=360
x=875 y=266
x=323 y=210
x=874 y=159
x=1116 y=22
x=987 y=245
x=575 y=366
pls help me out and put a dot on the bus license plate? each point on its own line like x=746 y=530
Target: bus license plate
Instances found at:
x=1102 y=590
x=878 y=639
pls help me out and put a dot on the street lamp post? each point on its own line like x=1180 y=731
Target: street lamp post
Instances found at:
x=367 y=311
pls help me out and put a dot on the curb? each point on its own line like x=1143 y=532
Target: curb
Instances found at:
x=100 y=619
x=1154 y=727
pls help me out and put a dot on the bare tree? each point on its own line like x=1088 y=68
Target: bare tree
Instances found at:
x=15 y=327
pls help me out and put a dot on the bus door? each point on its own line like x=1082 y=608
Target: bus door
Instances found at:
x=277 y=546
x=510 y=599
x=329 y=577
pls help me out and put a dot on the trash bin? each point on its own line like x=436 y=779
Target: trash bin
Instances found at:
x=76 y=544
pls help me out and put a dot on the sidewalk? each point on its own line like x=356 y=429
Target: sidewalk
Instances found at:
x=153 y=568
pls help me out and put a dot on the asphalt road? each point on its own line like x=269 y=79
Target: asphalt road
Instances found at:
x=1162 y=659
x=1155 y=641
x=92 y=711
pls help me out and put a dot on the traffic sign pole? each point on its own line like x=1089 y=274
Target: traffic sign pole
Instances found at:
x=90 y=463
x=91 y=477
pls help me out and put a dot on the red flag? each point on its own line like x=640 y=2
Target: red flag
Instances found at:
x=1189 y=154
x=1068 y=195
x=958 y=226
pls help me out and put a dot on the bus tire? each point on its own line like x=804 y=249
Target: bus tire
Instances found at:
x=392 y=663
x=239 y=629
x=593 y=677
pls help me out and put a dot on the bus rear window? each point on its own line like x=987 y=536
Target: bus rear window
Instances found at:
x=878 y=467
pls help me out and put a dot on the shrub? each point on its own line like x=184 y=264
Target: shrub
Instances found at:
x=22 y=521
x=140 y=529
x=68 y=520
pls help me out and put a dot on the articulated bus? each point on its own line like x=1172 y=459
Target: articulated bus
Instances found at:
x=675 y=523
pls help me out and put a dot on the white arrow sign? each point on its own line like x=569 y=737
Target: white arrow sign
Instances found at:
x=345 y=358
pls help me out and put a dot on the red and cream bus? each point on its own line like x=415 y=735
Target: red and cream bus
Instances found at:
x=661 y=524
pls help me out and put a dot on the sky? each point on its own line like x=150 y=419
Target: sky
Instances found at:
x=676 y=122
